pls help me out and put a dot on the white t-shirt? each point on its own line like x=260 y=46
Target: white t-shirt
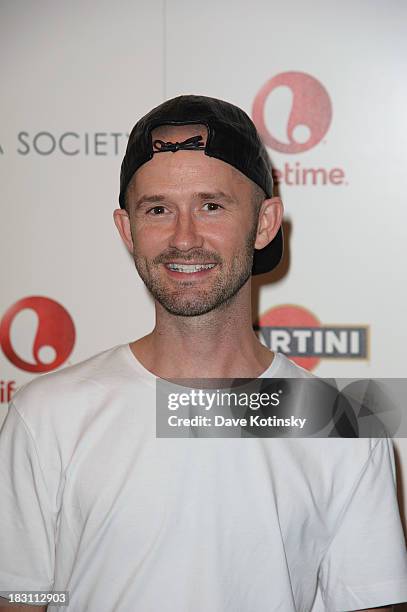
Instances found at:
x=94 y=503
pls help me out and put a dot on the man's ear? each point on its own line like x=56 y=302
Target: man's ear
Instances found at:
x=122 y=221
x=270 y=219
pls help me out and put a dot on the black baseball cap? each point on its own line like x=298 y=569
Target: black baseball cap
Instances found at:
x=232 y=137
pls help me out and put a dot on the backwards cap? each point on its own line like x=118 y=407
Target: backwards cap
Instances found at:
x=232 y=137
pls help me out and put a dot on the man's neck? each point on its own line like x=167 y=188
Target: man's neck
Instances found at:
x=218 y=344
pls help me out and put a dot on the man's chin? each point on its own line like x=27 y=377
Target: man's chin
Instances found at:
x=187 y=308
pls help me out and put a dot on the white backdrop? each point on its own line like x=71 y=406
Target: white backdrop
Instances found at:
x=77 y=75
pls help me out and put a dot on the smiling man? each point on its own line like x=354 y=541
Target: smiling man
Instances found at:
x=192 y=247
x=95 y=504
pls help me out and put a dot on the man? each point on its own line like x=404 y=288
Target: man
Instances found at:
x=95 y=504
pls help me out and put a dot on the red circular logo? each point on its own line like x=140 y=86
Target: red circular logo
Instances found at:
x=291 y=316
x=310 y=113
x=55 y=332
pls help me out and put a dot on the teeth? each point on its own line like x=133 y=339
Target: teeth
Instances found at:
x=188 y=268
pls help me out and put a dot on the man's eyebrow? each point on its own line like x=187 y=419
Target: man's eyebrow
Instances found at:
x=214 y=195
x=203 y=195
x=152 y=198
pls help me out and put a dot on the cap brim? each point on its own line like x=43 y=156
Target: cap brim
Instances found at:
x=268 y=258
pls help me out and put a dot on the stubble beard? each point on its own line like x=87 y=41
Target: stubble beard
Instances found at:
x=229 y=279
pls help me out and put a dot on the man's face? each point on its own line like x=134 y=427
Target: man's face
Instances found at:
x=193 y=225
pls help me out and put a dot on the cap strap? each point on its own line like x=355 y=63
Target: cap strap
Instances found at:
x=193 y=143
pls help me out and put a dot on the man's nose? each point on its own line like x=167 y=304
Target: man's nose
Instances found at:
x=186 y=235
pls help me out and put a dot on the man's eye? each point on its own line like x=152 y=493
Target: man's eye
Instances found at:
x=157 y=210
x=213 y=205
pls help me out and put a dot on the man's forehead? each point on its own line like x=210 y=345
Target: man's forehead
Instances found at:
x=184 y=170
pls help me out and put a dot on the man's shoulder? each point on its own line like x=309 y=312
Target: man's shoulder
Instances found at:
x=93 y=375
x=321 y=392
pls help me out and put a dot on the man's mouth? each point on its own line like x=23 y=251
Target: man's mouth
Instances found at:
x=189 y=268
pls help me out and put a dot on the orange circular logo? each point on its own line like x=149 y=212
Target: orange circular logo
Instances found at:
x=310 y=112
x=55 y=333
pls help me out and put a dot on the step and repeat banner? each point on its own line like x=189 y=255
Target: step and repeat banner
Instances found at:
x=323 y=82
